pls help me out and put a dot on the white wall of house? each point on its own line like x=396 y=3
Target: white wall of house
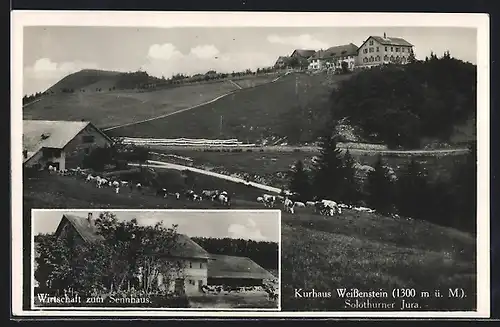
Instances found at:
x=194 y=275
x=372 y=53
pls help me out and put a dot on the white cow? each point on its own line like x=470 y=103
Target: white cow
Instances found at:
x=260 y=199
x=223 y=199
x=310 y=203
x=299 y=204
x=269 y=200
x=90 y=178
x=116 y=184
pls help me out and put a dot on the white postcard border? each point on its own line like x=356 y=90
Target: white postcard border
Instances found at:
x=19 y=19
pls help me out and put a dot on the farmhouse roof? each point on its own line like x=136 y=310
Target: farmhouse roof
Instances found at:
x=395 y=41
x=225 y=266
x=186 y=247
x=303 y=53
x=83 y=227
x=38 y=134
x=336 y=51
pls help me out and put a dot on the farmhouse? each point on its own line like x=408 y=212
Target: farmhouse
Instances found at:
x=334 y=57
x=62 y=144
x=199 y=268
x=377 y=50
x=282 y=62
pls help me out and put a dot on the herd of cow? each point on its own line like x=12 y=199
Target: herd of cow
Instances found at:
x=216 y=290
x=290 y=202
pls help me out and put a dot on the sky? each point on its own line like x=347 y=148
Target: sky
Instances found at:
x=256 y=225
x=52 y=52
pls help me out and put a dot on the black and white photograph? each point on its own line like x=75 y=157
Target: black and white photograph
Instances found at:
x=156 y=259
x=369 y=133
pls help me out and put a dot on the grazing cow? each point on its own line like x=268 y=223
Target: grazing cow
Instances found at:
x=190 y=195
x=269 y=200
x=90 y=178
x=177 y=195
x=209 y=195
x=299 y=204
x=116 y=184
x=223 y=199
x=260 y=199
x=162 y=192
x=327 y=207
x=197 y=197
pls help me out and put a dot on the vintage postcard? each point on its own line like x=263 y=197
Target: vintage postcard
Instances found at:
x=364 y=137
x=167 y=259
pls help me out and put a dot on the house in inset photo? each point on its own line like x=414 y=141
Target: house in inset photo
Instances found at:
x=186 y=269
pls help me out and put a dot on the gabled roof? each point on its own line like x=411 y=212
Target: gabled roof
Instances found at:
x=303 y=53
x=38 y=134
x=186 y=247
x=225 y=266
x=281 y=58
x=86 y=230
x=394 y=41
x=337 y=51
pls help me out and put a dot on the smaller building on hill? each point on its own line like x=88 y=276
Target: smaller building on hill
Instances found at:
x=333 y=57
x=62 y=144
x=282 y=62
x=235 y=271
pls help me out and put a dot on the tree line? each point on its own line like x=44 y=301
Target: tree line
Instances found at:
x=402 y=104
x=445 y=200
x=263 y=253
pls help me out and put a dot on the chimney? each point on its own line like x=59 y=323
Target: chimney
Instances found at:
x=25 y=154
x=89 y=217
x=385 y=37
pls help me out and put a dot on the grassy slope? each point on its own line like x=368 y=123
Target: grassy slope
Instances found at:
x=120 y=107
x=246 y=114
x=354 y=250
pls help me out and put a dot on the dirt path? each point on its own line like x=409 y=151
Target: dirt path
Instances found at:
x=166 y=165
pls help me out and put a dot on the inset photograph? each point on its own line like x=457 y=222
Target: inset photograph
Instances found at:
x=178 y=259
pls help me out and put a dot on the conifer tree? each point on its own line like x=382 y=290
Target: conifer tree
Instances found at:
x=412 y=191
x=299 y=182
x=379 y=188
x=351 y=190
x=328 y=169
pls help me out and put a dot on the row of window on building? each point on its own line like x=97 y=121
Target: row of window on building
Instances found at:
x=386 y=58
x=377 y=49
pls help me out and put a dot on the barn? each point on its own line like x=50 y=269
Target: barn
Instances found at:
x=235 y=271
x=62 y=144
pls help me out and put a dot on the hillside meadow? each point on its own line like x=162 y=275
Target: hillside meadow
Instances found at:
x=111 y=108
x=248 y=115
x=356 y=249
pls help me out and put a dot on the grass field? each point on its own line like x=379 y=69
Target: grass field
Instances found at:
x=361 y=250
x=107 y=109
x=246 y=115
